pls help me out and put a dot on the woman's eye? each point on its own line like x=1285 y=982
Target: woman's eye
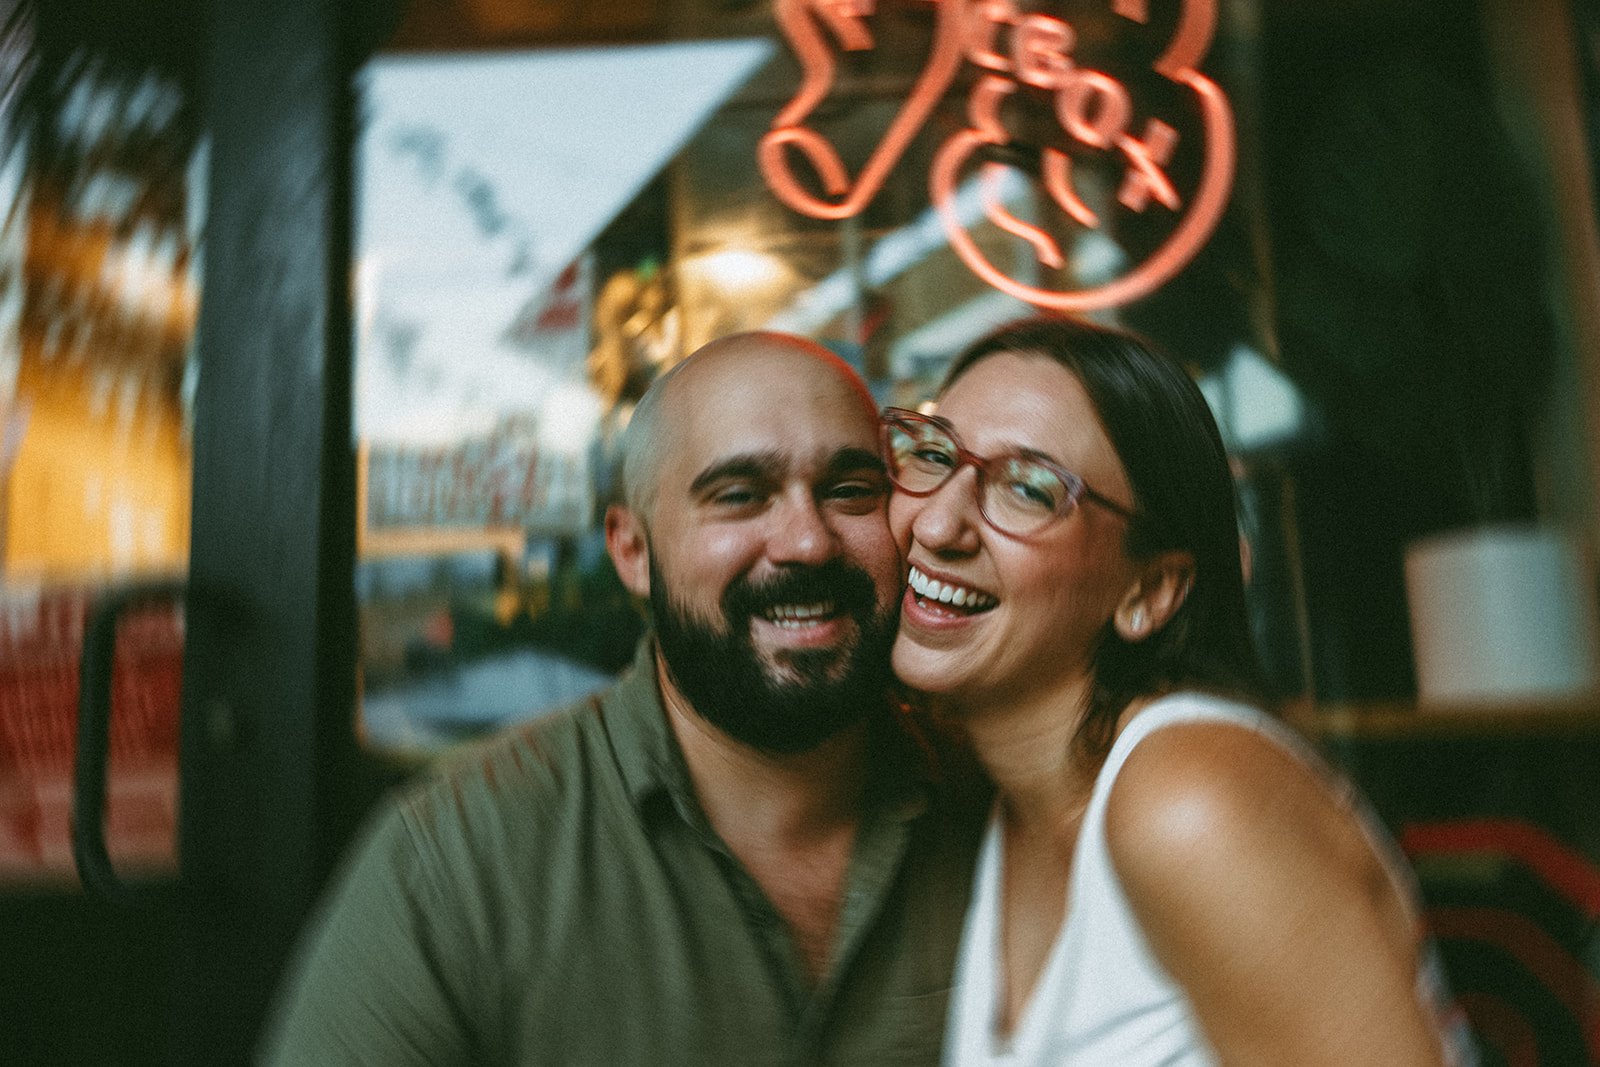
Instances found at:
x=933 y=456
x=1032 y=495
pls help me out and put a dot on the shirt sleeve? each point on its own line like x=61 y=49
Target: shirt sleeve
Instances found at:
x=380 y=976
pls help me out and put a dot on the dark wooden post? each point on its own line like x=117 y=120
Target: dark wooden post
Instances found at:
x=270 y=660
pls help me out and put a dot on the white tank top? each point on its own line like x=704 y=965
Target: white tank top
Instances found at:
x=1102 y=998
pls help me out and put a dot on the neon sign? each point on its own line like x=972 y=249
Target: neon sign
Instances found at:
x=1032 y=54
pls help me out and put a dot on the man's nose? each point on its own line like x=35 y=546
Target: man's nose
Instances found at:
x=801 y=532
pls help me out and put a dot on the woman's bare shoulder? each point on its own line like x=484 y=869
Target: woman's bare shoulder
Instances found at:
x=1209 y=821
x=1261 y=893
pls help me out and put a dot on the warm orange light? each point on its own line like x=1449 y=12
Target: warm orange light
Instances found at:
x=739 y=271
x=1093 y=108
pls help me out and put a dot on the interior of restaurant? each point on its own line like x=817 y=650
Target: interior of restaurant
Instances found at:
x=1367 y=228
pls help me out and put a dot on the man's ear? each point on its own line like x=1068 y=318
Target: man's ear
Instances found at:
x=628 y=544
x=1155 y=596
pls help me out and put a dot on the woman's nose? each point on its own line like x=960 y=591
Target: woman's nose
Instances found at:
x=949 y=516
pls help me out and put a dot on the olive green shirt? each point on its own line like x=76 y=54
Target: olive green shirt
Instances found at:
x=560 y=898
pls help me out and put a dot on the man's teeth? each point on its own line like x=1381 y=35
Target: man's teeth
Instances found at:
x=945 y=593
x=794 y=616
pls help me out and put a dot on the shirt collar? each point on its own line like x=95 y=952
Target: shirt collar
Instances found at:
x=905 y=766
x=647 y=753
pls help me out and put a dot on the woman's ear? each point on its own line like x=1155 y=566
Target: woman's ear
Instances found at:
x=628 y=544
x=1155 y=596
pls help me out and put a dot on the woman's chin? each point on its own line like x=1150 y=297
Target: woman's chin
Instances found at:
x=930 y=671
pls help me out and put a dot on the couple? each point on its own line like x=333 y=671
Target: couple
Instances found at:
x=746 y=852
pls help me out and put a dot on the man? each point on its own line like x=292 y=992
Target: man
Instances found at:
x=740 y=854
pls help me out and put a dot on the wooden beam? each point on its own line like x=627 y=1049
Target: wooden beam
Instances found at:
x=269 y=685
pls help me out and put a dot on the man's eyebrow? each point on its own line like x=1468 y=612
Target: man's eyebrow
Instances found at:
x=768 y=464
x=851 y=460
x=771 y=464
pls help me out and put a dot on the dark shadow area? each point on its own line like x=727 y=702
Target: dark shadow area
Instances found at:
x=1410 y=307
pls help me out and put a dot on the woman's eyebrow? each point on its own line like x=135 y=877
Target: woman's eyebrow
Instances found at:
x=1034 y=453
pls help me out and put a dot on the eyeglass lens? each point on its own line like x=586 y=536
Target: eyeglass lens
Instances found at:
x=1017 y=494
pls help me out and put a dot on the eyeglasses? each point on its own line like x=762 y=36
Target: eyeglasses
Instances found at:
x=1018 y=493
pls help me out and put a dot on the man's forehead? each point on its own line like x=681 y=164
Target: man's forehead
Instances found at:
x=773 y=408
x=763 y=379
x=805 y=408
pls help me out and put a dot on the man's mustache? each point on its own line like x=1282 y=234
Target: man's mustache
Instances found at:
x=848 y=588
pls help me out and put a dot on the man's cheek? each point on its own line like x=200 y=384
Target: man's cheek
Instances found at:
x=869 y=541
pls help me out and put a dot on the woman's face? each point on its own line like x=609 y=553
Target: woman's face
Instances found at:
x=1033 y=609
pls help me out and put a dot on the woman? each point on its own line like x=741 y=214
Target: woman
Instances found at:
x=1169 y=877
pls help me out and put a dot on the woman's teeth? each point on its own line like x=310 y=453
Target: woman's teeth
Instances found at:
x=946 y=593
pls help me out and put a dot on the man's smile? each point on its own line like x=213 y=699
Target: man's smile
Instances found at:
x=793 y=616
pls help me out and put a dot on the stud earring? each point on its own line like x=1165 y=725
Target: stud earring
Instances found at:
x=1136 y=622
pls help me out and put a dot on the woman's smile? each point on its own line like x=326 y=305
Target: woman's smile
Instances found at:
x=988 y=614
x=949 y=594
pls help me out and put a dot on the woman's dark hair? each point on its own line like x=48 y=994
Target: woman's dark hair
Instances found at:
x=1162 y=430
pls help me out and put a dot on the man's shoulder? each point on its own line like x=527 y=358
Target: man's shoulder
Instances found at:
x=519 y=778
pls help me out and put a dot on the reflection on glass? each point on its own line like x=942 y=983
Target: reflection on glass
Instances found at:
x=541 y=234
x=99 y=175
x=499 y=350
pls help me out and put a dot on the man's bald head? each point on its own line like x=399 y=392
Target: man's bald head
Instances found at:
x=692 y=387
x=756 y=526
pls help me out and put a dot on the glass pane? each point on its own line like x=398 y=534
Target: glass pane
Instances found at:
x=492 y=236
x=100 y=176
x=542 y=232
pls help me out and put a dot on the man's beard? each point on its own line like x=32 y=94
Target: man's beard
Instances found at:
x=795 y=699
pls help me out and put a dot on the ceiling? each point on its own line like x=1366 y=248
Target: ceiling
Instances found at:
x=476 y=24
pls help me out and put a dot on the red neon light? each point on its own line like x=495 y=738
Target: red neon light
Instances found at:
x=1557 y=970
x=1058 y=183
x=1145 y=176
x=846 y=18
x=1093 y=108
x=1039 y=51
x=980 y=28
x=1566 y=870
x=1044 y=246
x=1137 y=10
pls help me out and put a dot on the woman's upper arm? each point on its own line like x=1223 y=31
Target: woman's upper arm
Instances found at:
x=1261 y=895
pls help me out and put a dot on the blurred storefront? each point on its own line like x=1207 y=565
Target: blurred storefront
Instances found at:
x=1368 y=228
